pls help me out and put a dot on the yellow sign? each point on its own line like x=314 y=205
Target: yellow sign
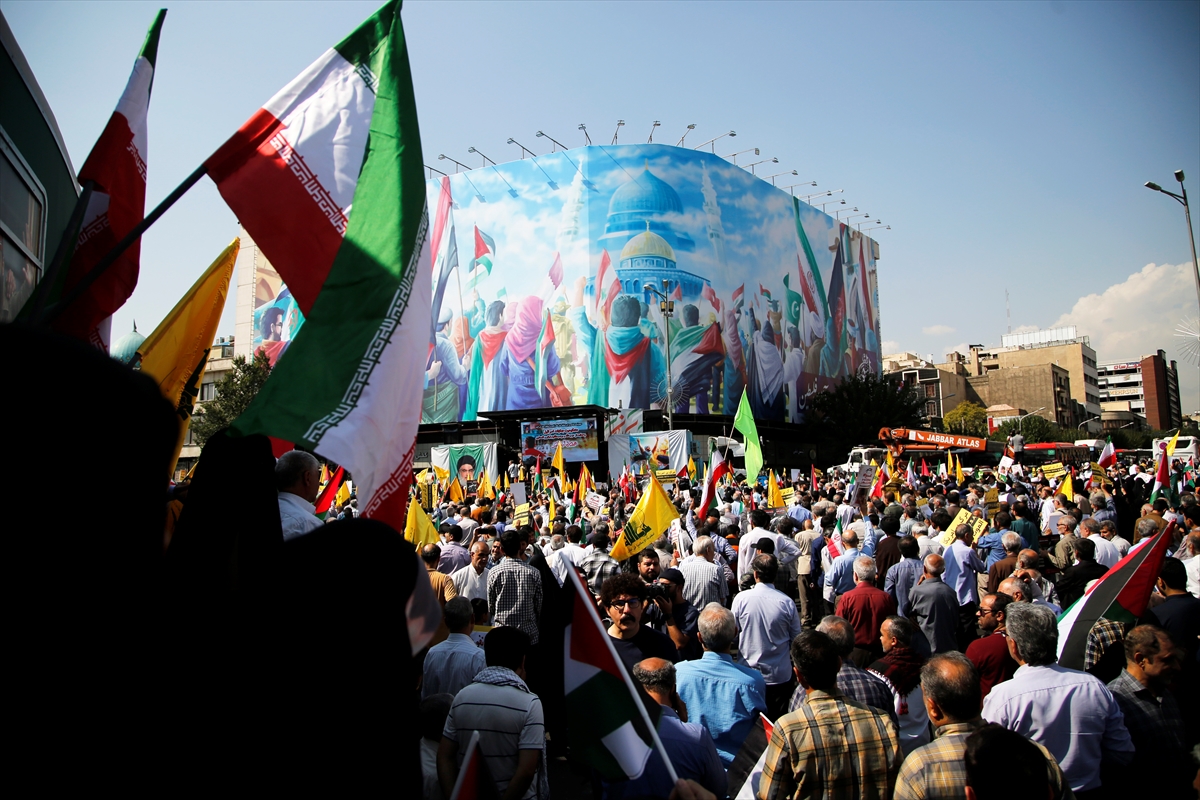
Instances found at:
x=665 y=474
x=521 y=515
x=1054 y=469
x=978 y=526
x=992 y=499
x=788 y=494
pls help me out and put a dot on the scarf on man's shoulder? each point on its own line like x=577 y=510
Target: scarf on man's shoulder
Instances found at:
x=503 y=676
x=901 y=667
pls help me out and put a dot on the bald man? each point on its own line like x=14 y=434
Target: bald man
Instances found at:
x=934 y=606
x=688 y=744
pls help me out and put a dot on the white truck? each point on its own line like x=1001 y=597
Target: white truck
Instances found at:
x=863 y=454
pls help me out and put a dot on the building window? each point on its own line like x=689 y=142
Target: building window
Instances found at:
x=931 y=390
x=208 y=391
x=931 y=409
x=22 y=231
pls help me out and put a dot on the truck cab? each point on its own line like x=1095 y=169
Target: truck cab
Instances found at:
x=863 y=454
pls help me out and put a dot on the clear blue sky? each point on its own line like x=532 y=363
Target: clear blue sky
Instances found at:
x=1006 y=143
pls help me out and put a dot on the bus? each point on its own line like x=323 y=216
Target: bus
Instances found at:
x=1185 y=448
x=1071 y=455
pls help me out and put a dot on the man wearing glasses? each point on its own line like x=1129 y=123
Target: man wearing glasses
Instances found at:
x=990 y=654
x=623 y=598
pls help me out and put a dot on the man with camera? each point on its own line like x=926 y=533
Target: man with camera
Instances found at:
x=670 y=613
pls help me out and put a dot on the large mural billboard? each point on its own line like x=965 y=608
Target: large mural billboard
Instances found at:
x=539 y=299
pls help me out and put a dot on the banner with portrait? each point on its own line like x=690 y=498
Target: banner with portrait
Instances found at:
x=467 y=462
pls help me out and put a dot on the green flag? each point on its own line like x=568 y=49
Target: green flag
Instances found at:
x=744 y=422
x=794 y=303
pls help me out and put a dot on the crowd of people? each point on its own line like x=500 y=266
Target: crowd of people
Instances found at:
x=894 y=655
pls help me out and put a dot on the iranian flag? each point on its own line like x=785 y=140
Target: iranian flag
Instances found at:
x=327 y=178
x=117 y=167
x=719 y=467
x=1108 y=456
x=608 y=725
x=1121 y=594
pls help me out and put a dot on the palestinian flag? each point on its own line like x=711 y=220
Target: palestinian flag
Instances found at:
x=474 y=781
x=1162 y=478
x=117 y=167
x=694 y=353
x=1121 y=594
x=608 y=725
x=327 y=178
x=746 y=770
x=719 y=468
x=1108 y=456
x=325 y=498
x=485 y=254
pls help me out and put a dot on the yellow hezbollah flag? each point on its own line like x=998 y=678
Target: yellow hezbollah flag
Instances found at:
x=455 y=495
x=1067 y=487
x=176 y=354
x=343 y=494
x=558 y=462
x=553 y=512
x=485 y=486
x=504 y=480
x=1171 y=444
x=649 y=520
x=774 y=496
x=419 y=528
x=691 y=469
x=442 y=474
x=958 y=473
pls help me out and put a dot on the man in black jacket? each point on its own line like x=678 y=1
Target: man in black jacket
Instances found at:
x=1075 y=579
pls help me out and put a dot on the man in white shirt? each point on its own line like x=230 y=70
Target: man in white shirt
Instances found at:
x=298 y=479
x=471 y=581
x=1108 y=529
x=786 y=550
x=1106 y=552
x=572 y=553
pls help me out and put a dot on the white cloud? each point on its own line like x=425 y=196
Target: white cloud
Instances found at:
x=937 y=330
x=1138 y=317
x=890 y=346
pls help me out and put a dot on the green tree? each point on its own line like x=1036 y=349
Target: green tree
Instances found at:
x=1035 y=429
x=852 y=412
x=234 y=393
x=967 y=417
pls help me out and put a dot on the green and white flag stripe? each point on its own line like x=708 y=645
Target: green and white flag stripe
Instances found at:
x=327 y=179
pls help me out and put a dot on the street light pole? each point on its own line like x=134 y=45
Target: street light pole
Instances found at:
x=1021 y=420
x=1182 y=199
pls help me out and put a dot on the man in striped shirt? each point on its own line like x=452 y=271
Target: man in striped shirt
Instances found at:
x=508 y=717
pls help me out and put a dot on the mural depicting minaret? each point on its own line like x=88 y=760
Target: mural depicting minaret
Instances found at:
x=568 y=227
x=716 y=233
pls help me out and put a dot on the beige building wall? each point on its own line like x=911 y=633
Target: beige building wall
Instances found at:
x=1077 y=358
x=1042 y=386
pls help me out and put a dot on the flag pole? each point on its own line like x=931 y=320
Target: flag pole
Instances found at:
x=69 y=236
x=103 y=264
x=594 y=616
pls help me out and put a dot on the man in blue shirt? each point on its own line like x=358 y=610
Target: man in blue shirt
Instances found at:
x=723 y=696
x=768 y=621
x=902 y=577
x=1070 y=713
x=962 y=565
x=840 y=578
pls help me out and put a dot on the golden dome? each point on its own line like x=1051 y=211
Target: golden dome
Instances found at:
x=647 y=243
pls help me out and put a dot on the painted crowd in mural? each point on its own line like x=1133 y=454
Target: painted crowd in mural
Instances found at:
x=540 y=269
